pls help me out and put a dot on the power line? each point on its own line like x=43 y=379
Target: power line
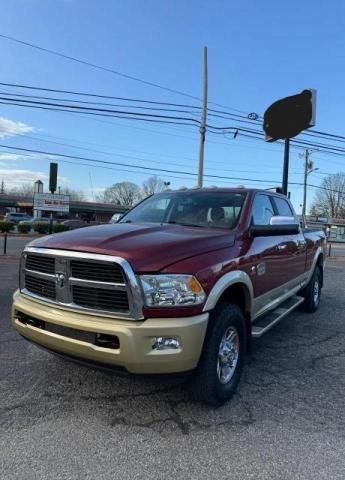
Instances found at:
x=110 y=115
x=92 y=160
x=54 y=154
x=224 y=115
x=213 y=112
x=251 y=133
x=258 y=135
x=112 y=97
x=98 y=67
x=88 y=102
x=106 y=69
x=151 y=117
x=96 y=95
x=108 y=112
x=93 y=109
x=112 y=153
x=108 y=168
x=267 y=182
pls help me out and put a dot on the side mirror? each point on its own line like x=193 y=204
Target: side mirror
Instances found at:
x=280 y=220
x=279 y=225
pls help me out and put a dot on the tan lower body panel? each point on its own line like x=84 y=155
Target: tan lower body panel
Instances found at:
x=135 y=352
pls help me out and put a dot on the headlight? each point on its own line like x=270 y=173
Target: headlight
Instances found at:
x=171 y=290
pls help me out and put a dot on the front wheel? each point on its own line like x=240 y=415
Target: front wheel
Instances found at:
x=312 y=292
x=220 y=366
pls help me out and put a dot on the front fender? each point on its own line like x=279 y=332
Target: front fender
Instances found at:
x=236 y=277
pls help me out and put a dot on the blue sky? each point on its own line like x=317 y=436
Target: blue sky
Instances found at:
x=259 y=51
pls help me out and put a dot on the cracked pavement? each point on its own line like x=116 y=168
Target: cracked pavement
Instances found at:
x=63 y=421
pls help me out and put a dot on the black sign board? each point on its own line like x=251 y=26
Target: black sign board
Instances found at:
x=289 y=116
x=53 y=177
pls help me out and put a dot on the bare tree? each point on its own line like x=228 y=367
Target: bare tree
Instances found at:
x=152 y=185
x=74 y=195
x=2 y=187
x=24 y=190
x=329 y=200
x=123 y=193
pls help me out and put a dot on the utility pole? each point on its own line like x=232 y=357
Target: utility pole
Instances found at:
x=308 y=168
x=203 y=120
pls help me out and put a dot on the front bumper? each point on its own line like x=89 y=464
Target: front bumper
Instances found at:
x=134 y=354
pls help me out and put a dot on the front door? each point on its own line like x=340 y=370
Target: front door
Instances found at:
x=267 y=255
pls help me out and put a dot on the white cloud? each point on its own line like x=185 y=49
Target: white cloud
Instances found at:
x=11 y=157
x=10 y=128
x=16 y=178
x=7 y=157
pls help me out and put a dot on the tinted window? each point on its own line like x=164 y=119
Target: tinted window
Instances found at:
x=262 y=210
x=283 y=207
x=152 y=210
x=201 y=209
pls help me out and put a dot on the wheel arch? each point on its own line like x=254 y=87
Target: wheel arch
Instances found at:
x=320 y=263
x=236 y=288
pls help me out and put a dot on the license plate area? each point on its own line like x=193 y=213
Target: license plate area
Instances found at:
x=94 y=338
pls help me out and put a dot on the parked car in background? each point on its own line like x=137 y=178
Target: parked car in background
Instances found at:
x=116 y=217
x=74 y=223
x=17 y=217
x=34 y=221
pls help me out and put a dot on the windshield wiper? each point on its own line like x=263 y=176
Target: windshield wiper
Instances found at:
x=184 y=224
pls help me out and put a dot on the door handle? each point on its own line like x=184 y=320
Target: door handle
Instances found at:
x=281 y=247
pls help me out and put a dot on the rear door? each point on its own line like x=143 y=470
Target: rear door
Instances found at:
x=294 y=246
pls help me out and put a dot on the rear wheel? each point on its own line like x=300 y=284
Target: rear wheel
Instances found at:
x=312 y=292
x=220 y=366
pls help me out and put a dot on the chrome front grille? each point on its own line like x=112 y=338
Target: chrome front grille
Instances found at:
x=82 y=281
x=40 y=286
x=100 y=298
x=98 y=272
x=40 y=263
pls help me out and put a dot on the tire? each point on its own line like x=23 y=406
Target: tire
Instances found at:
x=312 y=292
x=220 y=366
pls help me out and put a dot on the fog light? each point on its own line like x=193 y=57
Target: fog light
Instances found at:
x=165 y=343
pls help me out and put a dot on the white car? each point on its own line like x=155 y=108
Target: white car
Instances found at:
x=116 y=217
x=35 y=221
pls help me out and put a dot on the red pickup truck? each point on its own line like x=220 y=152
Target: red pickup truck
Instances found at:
x=181 y=284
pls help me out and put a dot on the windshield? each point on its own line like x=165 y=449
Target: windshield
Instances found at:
x=199 y=209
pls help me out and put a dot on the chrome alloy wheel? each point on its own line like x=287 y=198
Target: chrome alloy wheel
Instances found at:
x=228 y=354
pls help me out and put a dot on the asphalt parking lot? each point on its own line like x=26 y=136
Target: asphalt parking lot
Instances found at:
x=15 y=243
x=287 y=420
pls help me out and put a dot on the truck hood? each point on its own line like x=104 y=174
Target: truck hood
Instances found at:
x=147 y=247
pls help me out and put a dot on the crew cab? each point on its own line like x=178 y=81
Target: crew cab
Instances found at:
x=181 y=285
